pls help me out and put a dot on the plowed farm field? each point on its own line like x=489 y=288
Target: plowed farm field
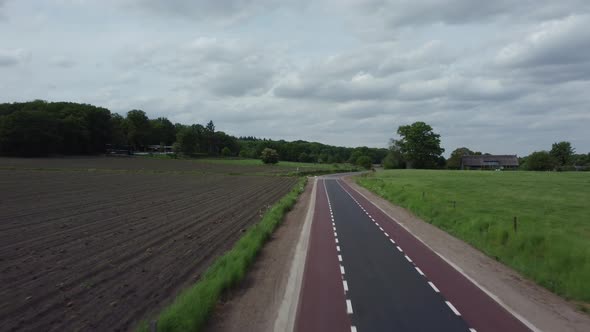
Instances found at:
x=100 y=250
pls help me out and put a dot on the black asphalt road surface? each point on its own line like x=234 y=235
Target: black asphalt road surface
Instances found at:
x=386 y=291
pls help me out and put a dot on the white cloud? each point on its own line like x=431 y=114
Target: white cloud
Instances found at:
x=496 y=76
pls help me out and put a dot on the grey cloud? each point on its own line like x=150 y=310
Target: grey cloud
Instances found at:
x=555 y=51
x=221 y=11
x=63 y=62
x=559 y=42
x=512 y=80
x=13 y=57
x=224 y=67
x=2 y=2
x=402 y=12
x=240 y=80
x=373 y=73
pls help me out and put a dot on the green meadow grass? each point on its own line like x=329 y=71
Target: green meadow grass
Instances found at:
x=552 y=241
x=191 y=309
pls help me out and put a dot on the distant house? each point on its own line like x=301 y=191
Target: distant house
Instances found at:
x=489 y=162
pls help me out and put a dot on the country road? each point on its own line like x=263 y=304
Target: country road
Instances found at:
x=365 y=272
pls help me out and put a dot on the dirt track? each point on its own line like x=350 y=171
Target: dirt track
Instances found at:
x=101 y=250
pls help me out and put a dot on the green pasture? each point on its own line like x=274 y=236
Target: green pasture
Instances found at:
x=551 y=243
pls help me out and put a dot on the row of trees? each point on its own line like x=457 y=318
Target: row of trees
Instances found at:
x=41 y=128
x=419 y=147
x=561 y=157
x=310 y=152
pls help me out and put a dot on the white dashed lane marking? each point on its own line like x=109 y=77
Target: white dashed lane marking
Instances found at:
x=419 y=271
x=433 y=287
x=342 y=272
x=345 y=284
x=349 y=307
x=453 y=308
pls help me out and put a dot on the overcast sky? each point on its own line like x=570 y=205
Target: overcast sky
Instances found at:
x=500 y=76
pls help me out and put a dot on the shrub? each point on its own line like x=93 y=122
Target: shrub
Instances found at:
x=269 y=156
x=226 y=152
x=364 y=161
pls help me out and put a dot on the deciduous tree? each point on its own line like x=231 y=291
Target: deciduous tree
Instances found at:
x=419 y=145
x=562 y=152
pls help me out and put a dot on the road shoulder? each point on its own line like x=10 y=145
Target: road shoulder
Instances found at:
x=254 y=305
x=541 y=308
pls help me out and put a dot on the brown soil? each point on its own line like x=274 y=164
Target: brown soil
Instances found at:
x=138 y=164
x=98 y=251
x=543 y=310
x=254 y=305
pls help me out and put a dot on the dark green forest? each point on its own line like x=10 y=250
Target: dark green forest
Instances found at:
x=40 y=128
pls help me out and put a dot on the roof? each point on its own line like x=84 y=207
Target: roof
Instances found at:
x=486 y=160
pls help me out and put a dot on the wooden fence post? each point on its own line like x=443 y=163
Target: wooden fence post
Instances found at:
x=515 y=224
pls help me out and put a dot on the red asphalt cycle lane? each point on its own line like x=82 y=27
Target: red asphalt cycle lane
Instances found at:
x=478 y=309
x=322 y=301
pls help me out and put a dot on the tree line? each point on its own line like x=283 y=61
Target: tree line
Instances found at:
x=419 y=147
x=311 y=152
x=40 y=128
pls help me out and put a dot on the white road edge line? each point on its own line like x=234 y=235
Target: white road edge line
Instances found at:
x=408 y=258
x=341 y=269
x=345 y=285
x=353 y=329
x=348 y=307
x=392 y=241
x=287 y=312
x=337 y=248
x=453 y=308
x=485 y=290
x=433 y=287
x=472 y=330
x=400 y=249
x=340 y=258
x=336 y=240
x=386 y=234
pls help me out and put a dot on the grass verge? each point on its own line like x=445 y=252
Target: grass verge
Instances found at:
x=191 y=309
x=551 y=243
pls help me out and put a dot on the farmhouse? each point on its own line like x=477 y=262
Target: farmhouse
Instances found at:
x=489 y=162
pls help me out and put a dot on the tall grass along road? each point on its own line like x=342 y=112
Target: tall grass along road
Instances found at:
x=190 y=310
